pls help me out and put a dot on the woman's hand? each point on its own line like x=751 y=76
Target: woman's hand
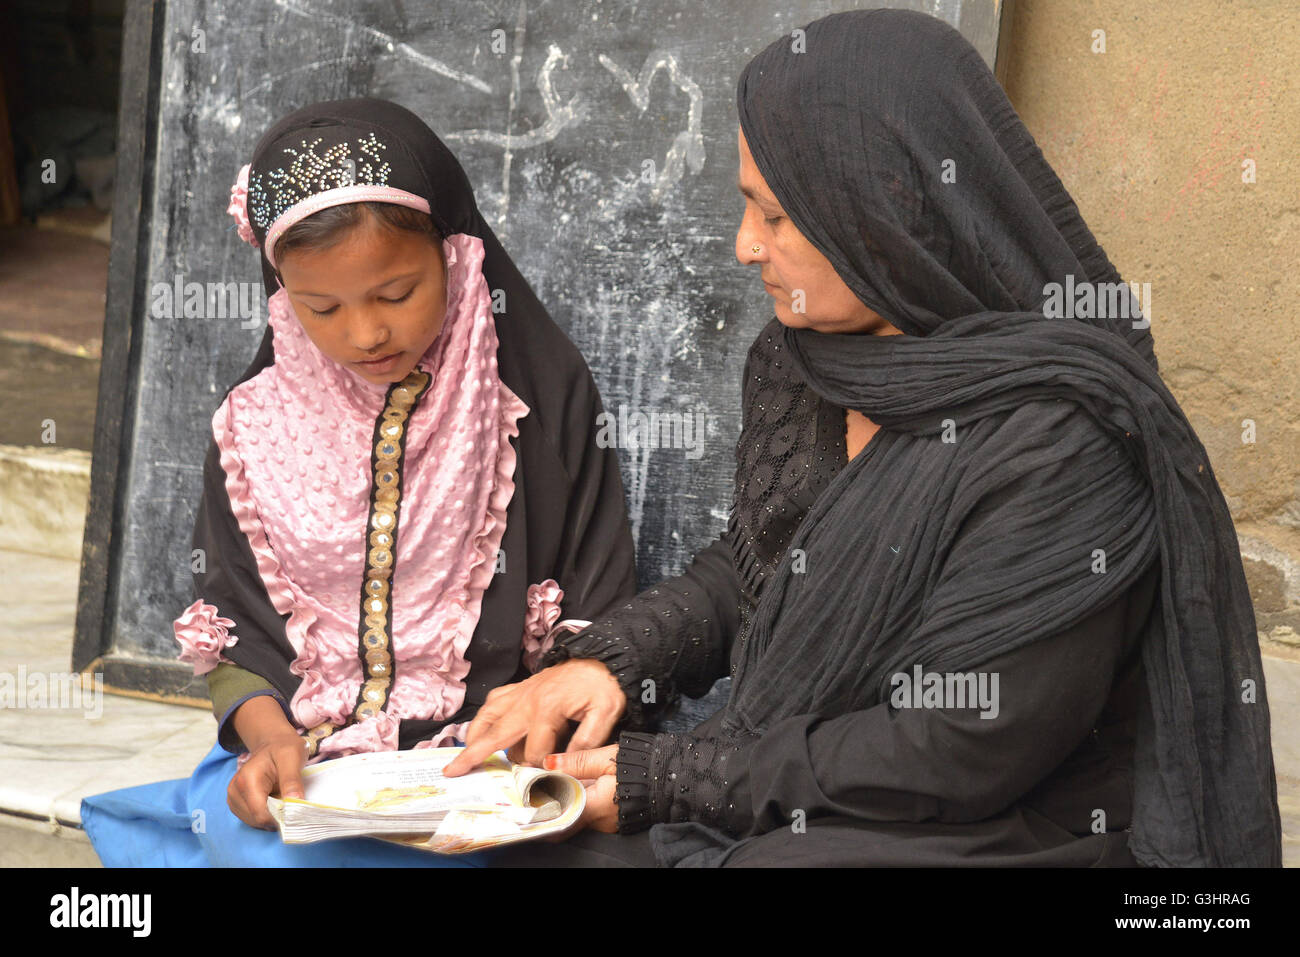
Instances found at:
x=276 y=759
x=538 y=710
x=598 y=770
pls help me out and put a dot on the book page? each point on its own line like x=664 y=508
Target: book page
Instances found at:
x=558 y=801
x=404 y=796
x=410 y=783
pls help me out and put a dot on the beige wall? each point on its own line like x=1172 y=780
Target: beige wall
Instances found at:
x=1149 y=137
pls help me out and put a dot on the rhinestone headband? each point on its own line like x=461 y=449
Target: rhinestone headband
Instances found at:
x=276 y=199
x=309 y=173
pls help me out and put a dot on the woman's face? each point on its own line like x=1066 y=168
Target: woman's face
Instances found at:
x=379 y=294
x=807 y=291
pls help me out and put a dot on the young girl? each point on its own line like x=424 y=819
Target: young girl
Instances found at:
x=402 y=495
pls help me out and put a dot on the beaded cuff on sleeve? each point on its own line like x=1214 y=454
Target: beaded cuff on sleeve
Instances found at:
x=667 y=778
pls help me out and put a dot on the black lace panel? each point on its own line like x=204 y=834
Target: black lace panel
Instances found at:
x=791 y=446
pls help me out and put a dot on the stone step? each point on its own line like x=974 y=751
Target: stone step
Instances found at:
x=44 y=491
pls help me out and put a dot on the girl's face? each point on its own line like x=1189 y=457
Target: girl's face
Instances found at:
x=807 y=291
x=373 y=302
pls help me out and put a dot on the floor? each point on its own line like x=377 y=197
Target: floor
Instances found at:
x=52 y=281
x=57 y=273
x=51 y=328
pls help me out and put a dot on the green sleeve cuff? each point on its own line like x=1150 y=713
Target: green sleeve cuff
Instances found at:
x=228 y=683
x=229 y=686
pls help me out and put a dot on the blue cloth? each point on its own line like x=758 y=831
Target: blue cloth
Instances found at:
x=187 y=823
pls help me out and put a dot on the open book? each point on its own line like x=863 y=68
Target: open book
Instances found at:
x=403 y=796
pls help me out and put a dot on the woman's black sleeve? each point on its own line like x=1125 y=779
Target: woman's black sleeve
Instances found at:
x=227 y=576
x=885 y=763
x=670 y=639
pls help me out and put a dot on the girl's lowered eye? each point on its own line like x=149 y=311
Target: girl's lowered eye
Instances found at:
x=322 y=313
x=772 y=220
x=402 y=298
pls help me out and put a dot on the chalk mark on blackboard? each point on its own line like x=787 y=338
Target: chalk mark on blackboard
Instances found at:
x=278 y=77
x=508 y=156
x=559 y=115
x=688 y=145
x=393 y=44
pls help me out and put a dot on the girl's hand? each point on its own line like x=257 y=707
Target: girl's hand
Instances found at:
x=277 y=755
x=274 y=768
x=597 y=769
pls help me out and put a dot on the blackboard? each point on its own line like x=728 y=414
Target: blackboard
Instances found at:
x=601 y=141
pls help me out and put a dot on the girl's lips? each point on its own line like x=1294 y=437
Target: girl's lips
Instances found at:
x=380 y=365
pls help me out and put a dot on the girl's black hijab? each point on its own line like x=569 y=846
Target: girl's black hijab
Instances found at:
x=896 y=153
x=419 y=162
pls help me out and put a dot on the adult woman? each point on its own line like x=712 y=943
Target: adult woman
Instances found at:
x=398 y=464
x=990 y=492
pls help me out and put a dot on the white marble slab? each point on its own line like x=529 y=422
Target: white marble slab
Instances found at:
x=52 y=757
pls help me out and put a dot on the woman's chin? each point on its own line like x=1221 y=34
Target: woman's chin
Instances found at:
x=795 y=320
x=843 y=327
x=798 y=320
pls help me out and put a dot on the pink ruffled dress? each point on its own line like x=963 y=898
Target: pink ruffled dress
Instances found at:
x=296 y=443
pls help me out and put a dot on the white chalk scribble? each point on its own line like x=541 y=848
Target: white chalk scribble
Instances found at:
x=392 y=43
x=688 y=145
x=558 y=115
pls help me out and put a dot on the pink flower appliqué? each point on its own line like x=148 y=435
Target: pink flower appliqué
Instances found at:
x=202 y=633
x=238 y=208
x=543 y=612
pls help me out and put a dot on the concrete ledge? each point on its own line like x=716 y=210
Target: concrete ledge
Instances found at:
x=22 y=845
x=43 y=496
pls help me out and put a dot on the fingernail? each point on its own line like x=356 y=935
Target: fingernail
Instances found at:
x=550 y=761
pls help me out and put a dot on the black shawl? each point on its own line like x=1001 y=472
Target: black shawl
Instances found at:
x=1014 y=449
